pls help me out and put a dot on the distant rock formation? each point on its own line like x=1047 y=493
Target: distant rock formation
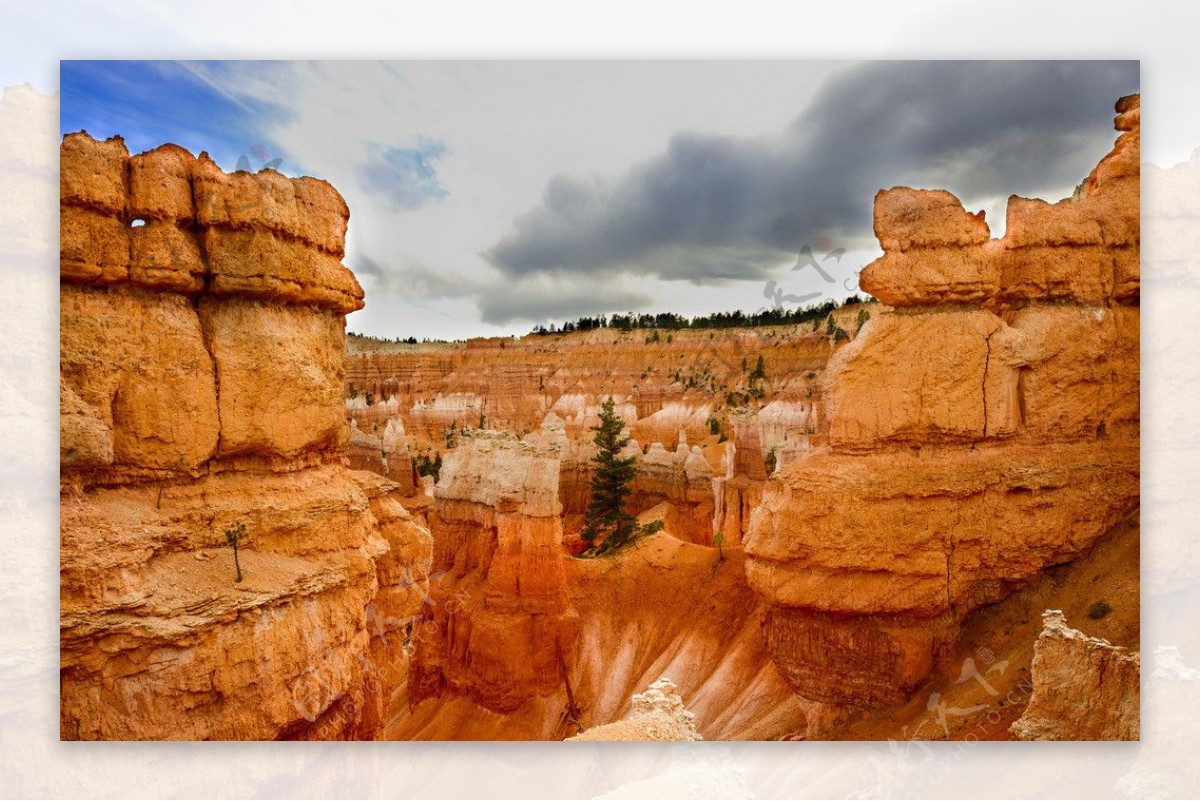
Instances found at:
x=660 y=387
x=681 y=478
x=984 y=430
x=1084 y=688
x=201 y=387
x=657 y=714
x=385 y=452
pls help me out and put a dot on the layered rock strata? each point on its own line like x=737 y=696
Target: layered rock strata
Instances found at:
x=201 y=381
x=661 y=386
x=520 y=641
x=384 y=450
x=985 y=429
x=682 y=479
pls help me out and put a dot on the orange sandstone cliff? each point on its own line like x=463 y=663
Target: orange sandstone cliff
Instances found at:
x=202 y=342
x=499 y=629
x=985 y=429
x=836 y=529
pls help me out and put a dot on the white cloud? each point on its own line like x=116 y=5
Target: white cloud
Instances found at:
x=453 y=169
x=507 y=128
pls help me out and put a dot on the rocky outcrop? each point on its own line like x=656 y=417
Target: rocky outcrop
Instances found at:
x=519 y=640
x=1084 y=688
x=657 y=714
x=682 y=479
x=689 y=386
x=498 y=628
x=201 y=383
x=983 y=430
x=679 y=479
x=385 y=452
x=660 y=606
x=739 y=489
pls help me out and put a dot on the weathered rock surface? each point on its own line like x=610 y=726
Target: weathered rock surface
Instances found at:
x=660 y=606
x=1084 y=688
x=380 y=444
x=986 y=429
x=1080 y=250
x=498 y=628
x=203 y=228
x=191 y=402
x=520 y=641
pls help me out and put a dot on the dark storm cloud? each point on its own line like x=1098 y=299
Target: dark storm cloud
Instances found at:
x=406 y=177
x=979 y=129
x=499 y=298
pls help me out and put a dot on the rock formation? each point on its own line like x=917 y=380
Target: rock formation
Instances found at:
x=984 y=430
x=385 y=452
x=520 y=641
x=689 y=386
x=682 y=479
x=657 y=714
x=739 y=489
x=830 y=518
x=498 y=628
x=202 y=340
x=1084 y=688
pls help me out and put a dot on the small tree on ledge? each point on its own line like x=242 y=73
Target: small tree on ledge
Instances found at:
x=233 y=536
x=606 y=519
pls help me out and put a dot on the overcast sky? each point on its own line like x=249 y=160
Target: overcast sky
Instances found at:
x=487 y=197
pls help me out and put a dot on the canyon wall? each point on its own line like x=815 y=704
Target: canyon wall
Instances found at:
x=676 y=382
x=693 y=387
x=384 y=452
x=201 y=381
x=983 y=430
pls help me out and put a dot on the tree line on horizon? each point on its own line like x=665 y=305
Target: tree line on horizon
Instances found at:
x=670 y=320
x=675 y=322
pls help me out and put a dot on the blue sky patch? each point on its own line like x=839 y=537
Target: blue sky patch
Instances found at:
x=405 y=177
x=152 y=102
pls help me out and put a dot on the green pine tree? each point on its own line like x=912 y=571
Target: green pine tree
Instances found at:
x=606 y=518
x=759 y=372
